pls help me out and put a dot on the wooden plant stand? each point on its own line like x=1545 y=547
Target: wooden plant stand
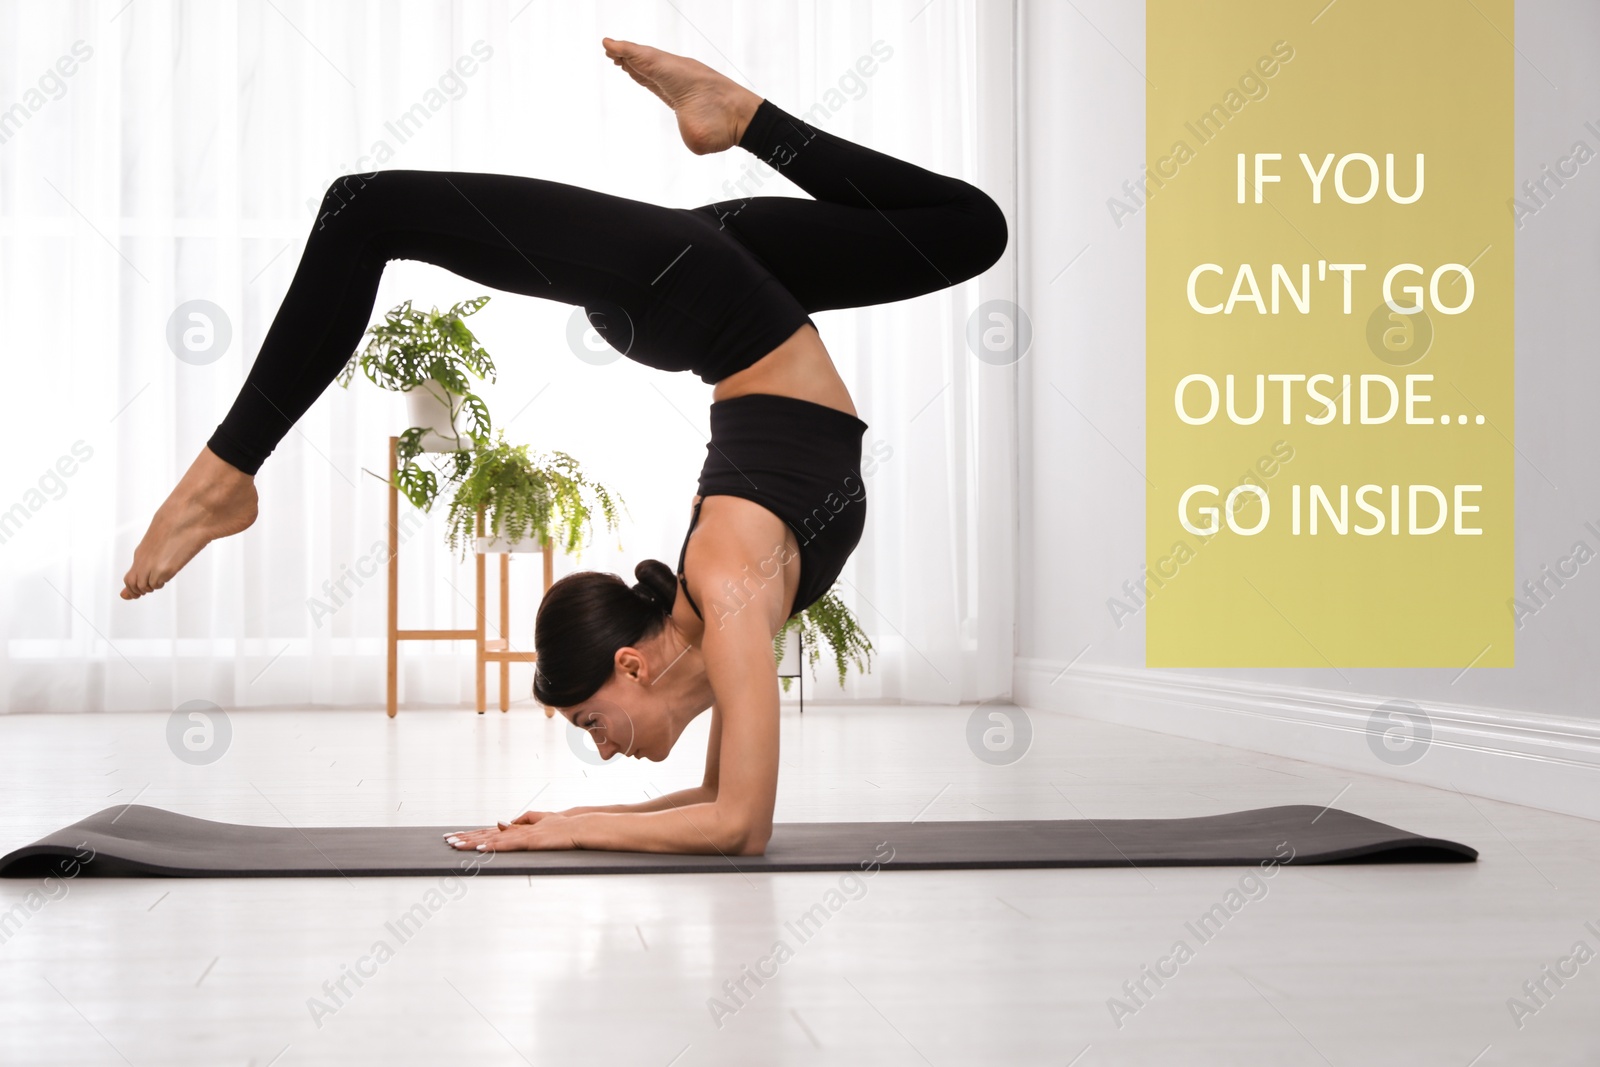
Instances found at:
x=496 y=651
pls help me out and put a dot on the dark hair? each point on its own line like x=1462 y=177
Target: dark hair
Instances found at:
x=585 y=618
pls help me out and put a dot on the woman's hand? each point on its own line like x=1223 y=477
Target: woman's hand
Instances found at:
x=529 y=817
x=530 y=831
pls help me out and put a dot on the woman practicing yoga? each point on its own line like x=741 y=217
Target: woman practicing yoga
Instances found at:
x=726 y=291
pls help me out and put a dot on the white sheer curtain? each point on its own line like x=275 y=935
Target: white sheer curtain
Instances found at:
x=156 y=153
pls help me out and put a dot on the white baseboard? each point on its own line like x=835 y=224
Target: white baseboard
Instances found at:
x=1543 y=761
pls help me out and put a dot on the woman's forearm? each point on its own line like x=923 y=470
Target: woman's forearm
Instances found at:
x=700 y=794
x=704 y=828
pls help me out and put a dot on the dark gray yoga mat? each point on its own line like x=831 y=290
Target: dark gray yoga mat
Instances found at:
x=138 y=841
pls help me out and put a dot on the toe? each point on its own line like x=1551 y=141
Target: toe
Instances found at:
x=637 y=55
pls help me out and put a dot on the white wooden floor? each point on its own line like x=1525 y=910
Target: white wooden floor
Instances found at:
x=1357 y=965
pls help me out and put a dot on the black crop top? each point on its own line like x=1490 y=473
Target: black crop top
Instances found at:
x=802 y=462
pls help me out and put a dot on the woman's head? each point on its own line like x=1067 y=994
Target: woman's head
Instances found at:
x=601 y=645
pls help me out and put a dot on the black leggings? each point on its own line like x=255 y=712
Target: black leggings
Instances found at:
x=709 y=289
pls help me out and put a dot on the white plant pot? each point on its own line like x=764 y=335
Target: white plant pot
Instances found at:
x=498 y=543
x=434 y=408
x=789 y=663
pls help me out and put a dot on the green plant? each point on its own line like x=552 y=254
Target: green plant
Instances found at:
x=828 y=623
x=526 y=494
x=433 y=351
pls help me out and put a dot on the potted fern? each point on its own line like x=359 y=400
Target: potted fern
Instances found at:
x=526 y=499
x=825 y=624
x=430 y=357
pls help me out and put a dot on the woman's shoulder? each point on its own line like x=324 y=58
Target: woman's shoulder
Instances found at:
x=738 y=556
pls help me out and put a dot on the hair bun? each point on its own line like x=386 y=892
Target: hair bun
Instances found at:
x=657 y=584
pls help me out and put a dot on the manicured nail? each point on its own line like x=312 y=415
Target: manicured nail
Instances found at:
x=483 y=848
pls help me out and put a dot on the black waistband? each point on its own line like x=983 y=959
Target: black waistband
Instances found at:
x=743 y=410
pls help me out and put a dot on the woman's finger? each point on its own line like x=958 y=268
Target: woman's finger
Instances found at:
x=503 y=837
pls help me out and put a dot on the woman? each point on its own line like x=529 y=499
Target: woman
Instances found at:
x=725 y=290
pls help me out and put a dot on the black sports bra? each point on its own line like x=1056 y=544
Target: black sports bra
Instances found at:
x=802 y=462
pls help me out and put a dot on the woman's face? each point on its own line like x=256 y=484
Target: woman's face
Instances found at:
x=639 y=729
x=644 y=706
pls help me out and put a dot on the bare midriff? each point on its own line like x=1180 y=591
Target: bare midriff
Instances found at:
x=800 y=368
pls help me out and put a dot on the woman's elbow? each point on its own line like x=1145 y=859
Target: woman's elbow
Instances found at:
x=747 y=838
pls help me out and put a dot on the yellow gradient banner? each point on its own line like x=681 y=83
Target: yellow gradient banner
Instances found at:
x=1329 y=361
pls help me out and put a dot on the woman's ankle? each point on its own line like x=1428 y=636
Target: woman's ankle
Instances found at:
x=745 y=111
x=216 y=469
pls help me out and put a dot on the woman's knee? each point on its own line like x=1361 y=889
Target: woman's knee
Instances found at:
x=343 y=195
x=986 y=229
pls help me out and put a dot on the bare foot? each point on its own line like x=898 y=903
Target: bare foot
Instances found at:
x=214 y=499
x=712 y=110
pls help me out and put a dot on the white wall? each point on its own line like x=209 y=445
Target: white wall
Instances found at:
x=1529 y=733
